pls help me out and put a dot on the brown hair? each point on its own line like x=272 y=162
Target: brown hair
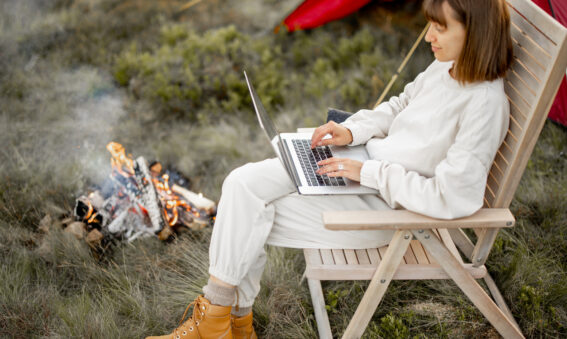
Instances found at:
x=487 y=52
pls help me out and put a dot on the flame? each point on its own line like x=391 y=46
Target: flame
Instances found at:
x=119 y=160
x=172 y=203
x=89 y=213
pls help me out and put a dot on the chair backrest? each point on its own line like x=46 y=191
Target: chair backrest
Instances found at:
x=540 y=59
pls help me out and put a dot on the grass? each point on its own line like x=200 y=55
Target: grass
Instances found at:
x=76 y=74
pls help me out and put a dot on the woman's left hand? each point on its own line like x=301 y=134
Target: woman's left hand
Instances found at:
x=340 y=167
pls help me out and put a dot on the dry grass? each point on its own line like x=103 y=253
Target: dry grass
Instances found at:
x=60 y=103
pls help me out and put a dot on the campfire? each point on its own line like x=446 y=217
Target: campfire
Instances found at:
x=138 y=200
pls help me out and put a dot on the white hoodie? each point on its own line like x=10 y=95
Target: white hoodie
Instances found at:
x=433 y=145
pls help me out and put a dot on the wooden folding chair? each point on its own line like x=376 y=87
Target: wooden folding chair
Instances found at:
x=427 y=248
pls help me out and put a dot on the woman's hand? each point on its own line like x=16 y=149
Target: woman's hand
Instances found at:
x=340 y=135
x=340 y=167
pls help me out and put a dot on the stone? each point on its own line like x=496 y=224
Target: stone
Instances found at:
x=77 y=229
x=94 y=238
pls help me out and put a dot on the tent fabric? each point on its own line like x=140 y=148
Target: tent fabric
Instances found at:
x=314 y=13
x=557 y=8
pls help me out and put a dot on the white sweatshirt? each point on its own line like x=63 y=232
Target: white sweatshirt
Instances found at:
x=433 y=145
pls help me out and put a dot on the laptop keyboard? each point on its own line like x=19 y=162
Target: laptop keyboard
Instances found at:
x=309 y=158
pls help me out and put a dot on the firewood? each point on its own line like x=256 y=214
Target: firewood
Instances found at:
x=197 y=200
x=150 y=197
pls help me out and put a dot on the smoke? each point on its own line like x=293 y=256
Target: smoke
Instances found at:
x=95 y=110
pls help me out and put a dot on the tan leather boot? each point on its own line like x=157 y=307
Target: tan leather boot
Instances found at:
x=208 y=322
x=242 y=327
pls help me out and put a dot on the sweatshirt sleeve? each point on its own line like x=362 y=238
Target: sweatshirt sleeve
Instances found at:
x=366 y=124
x=457 y=187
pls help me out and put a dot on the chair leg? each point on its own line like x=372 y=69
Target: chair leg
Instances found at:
x=378 y=285
x=467 y=247
x=499 y=299
x=323 y=325
x=467 y=284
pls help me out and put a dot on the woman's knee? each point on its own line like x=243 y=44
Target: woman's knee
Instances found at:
x=242 y=176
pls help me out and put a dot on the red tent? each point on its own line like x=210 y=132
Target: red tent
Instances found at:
x=557 y=8
x=314 y=13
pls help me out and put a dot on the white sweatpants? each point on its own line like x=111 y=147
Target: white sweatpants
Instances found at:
x=259 y=205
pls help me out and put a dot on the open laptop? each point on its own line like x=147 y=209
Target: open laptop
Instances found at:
x=300 y=161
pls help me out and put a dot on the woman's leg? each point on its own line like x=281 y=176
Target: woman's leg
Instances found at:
x=244 y=220
x=297 y=223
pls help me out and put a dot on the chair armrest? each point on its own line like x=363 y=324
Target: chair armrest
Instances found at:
x=404 y=219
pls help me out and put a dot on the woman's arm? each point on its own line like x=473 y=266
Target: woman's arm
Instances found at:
x=457 y=187
x=366 y=124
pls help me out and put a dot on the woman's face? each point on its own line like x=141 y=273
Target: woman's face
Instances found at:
x=446 y=42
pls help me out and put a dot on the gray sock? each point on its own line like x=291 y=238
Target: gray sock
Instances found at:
x=218 y=294
x=241 y=312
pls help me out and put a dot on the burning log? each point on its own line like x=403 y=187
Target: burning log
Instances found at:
x=197 y=200
x=150 y=198
x=137 y=202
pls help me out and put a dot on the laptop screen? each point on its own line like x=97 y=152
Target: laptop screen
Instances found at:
x=265 y=121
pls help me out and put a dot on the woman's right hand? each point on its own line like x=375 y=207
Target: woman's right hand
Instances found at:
x=340 y=135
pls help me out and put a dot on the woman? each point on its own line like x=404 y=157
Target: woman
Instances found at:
x=431 y=149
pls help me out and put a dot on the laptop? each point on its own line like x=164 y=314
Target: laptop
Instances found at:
x=300 y=161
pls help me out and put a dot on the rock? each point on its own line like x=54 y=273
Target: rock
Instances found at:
x=67 y=220
x=45 y=224
x=94 y=238
x=77 y=229
x=165 y=233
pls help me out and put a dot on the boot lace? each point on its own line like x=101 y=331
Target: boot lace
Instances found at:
x=193 y=322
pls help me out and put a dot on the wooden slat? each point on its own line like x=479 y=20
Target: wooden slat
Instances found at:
x=495 y=175
x=419 y=252
x=517 y=101
x=492 y=186
x=339 y=257
x=351 y=257
x=538 y=18
x=501 y=162
x=517 y=113
x=533 y=65
x=409 y=257
x=404 y=272
x=312 y=256
x=491 y=190
x=382 y=251
x=486 y=203
x=519 y=73
x=516 y=130
x=505 y=149
x=373 y=255
x=327 y=256
x=362 y=257
x=528 y=42
x=496 y=172
x=404 y=219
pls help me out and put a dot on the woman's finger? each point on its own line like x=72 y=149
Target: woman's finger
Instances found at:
x=329 y=161
x=318 y=134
